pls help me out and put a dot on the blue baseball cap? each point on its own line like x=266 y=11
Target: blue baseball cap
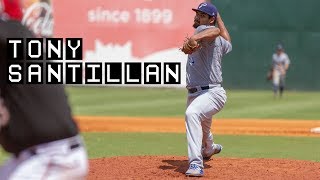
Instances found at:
x=280 y=47
x=207 y=8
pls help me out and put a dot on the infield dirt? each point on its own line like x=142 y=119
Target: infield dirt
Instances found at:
x=268 y=127
x=174 y=167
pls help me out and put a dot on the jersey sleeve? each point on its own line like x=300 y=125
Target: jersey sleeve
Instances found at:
x=287 y=60
x=226 y=45
x=273 y=60
x=202 y=28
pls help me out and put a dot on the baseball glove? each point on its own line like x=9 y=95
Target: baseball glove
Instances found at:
x=270 y=74
x=189 y=46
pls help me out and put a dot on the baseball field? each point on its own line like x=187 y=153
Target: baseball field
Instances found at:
x=139 y=133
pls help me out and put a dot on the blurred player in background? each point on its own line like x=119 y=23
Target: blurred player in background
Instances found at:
x=206 y=96
x=36 y=125
x=280 y=65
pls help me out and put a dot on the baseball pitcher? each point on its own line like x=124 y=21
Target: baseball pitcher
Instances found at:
x=206 y=95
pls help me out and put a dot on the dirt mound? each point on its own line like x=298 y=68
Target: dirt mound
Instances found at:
x=174 y=167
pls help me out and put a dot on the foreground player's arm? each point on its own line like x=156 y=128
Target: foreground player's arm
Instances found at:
x=223 y=30
x=287 y=63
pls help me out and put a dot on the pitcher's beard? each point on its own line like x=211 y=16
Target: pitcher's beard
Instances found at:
x=195 y=25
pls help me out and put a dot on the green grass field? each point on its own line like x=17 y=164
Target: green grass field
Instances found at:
x=127 y=144
x=99 y=101
x=171 y=103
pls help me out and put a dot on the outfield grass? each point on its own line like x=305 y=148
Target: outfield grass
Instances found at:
x=108 y=101
x=134 y=144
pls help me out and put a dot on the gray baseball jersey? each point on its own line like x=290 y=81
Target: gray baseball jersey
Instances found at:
x=279 y=60
x=204 y=65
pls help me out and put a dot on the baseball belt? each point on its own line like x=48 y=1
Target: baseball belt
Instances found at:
x=195 y=89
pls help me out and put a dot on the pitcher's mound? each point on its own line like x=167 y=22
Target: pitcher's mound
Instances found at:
x=174 y=167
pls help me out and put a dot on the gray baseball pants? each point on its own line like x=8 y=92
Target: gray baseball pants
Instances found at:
x=201 y=106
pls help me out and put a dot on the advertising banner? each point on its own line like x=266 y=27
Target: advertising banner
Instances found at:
x=117 y=31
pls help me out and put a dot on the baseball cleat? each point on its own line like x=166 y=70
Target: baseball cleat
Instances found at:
x=216 y=150
x=195 y=171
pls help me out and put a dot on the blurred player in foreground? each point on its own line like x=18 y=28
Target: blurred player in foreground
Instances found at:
x=36 y=125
